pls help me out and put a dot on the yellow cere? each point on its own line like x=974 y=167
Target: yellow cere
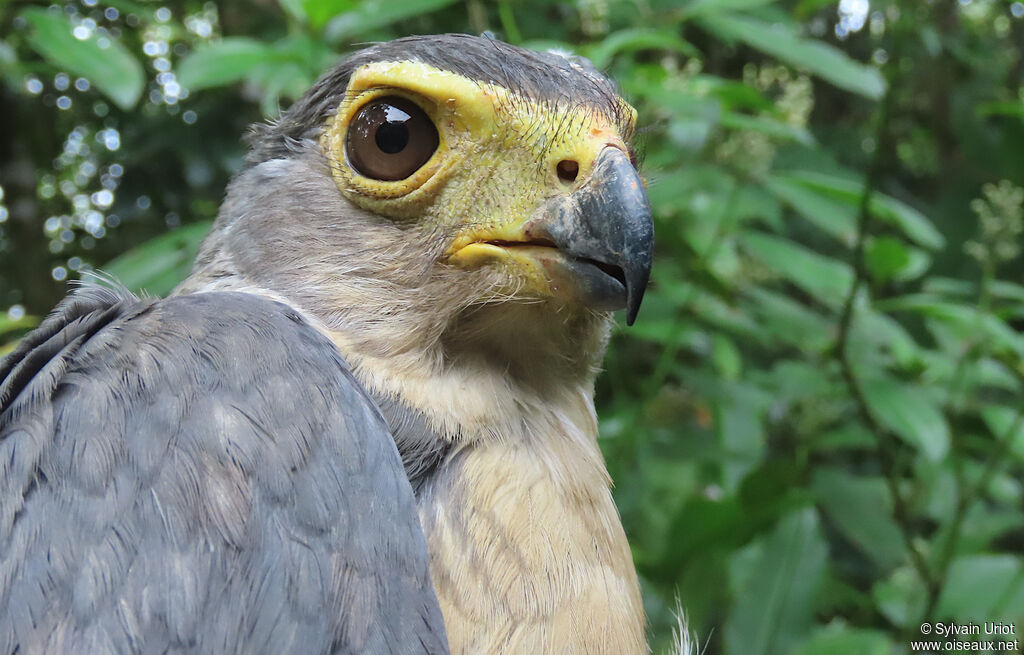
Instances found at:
x=495 y=163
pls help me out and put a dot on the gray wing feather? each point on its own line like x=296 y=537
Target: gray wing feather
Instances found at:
x=201 y=474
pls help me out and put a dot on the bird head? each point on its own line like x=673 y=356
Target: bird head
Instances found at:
x=438 y=185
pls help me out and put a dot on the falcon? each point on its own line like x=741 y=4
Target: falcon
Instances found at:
x=365 y=422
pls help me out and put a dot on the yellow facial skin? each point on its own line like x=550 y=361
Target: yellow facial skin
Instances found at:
x=496 y=163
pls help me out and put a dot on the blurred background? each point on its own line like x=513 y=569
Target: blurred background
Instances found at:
x=815 y=428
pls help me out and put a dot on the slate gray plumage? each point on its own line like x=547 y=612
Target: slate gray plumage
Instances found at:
x=201 y=474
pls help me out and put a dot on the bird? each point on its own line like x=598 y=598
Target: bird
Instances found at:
x=365 y=422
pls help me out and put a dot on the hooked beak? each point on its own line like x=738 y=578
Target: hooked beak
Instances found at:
x=606 y=229
x=593 y=246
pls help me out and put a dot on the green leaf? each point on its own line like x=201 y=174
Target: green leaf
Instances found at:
x=886 y=258
x=1000 y=289
x=753 y=203
x=775 y=583
x=841 y=639
x=634 y=39
x=795 y=380
x=160 y=264
x=911 y=413
x=977 y=585
x=105 y=62
x=726 y=357
x=703 y=524
x=668 y=331
x=822 y=277
x=710 y=7
x=968 y=322
x=1013 y=109
x=806 y=8
x=901 y=597
x=292 y=66
x=226 y=61
x=888 y=334
x=1006 y=290
x=790 y=322
x=723 y=316
x=288 y=80
x=766 y=125
x=693 y=118
x=1006 y=423
x=735 y=95
x=861 y=507
x=8 y=324
x=911 y=222
x=739 y=427
x=945 y=286
x=702 y=190
x=372 y=14
x=919 y=262
x=849 y=436
x=11 y=329
x=984 y=525
x=829 y=215
x=294 y=9
x=781 y=42
x=320 y=12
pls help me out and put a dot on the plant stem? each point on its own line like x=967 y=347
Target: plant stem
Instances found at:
x=886 y=441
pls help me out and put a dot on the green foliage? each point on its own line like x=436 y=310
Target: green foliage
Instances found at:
x=231 y=59
x=366 y=16
x=158 y=265
x=783 y=43
x=775 y=582
x=107 y=64
x=816 y=425
x=11 y=328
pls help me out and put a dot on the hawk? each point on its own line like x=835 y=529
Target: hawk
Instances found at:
x=365 y=422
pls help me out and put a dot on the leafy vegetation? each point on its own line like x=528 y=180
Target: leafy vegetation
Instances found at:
x=816 y=426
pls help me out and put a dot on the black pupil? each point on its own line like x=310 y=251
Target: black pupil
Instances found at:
x=393 y=135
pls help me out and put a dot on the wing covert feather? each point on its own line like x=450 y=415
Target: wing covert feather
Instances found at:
x=201 y=474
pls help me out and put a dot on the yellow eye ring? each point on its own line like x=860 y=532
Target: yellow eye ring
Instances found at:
x=354 y=174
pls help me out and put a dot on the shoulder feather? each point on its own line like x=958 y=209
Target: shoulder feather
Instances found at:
x=201 y=474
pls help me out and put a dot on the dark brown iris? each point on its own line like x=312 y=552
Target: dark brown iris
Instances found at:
x=390 y=139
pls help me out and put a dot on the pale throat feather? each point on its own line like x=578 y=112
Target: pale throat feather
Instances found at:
x=527 y=551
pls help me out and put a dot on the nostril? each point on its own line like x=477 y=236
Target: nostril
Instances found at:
x=568 y=169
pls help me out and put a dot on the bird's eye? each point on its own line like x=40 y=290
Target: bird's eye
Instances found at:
x=389 y=139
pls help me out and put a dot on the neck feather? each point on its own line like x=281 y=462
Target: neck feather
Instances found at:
x=527 y=549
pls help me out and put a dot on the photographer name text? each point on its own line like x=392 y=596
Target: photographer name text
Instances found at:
x=970 y=629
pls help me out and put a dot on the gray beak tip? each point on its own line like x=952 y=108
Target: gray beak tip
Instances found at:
x=636 y=288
